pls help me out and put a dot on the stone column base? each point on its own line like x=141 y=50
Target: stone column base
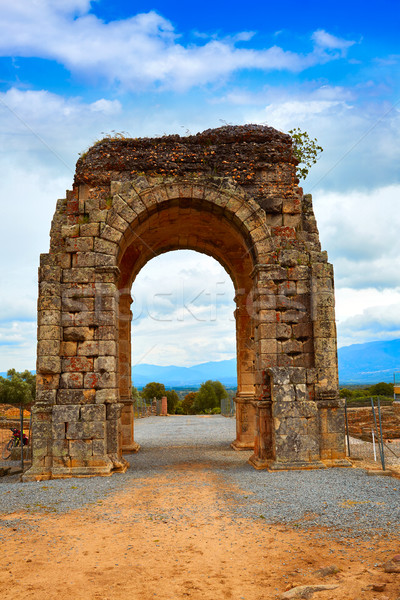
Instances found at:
x=244 y=422
x=337 y=462
x=283 y=466
x=131 y=448
x=36 y=474
x=110 y=466
x=238 y=445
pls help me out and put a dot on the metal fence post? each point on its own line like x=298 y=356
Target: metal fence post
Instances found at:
x=376 y=429
x=347 y=426
x=21 y=434
x=380 y=430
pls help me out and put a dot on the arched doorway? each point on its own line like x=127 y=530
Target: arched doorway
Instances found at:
x=205 y=226
x=230 y=193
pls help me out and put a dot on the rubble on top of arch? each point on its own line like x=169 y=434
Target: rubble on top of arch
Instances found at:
x=254 y=157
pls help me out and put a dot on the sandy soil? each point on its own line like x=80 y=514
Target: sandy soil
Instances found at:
x=162 y=541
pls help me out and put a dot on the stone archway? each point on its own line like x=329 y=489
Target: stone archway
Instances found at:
x=230 y=193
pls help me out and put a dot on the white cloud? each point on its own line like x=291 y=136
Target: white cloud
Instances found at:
x=360 y=139
x=360 y=230
x=183 y=308
x=380 y=321
x=141 y=50
x=328 y=41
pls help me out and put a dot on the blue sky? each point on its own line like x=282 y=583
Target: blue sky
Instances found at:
x=74 y=70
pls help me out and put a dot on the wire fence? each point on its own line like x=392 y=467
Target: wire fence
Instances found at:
x=227 y=407
x=143 y=408
x=373 y=433
x=13 y=421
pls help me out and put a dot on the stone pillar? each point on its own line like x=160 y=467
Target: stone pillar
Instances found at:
x=164 y=406
x=331 y=429
x=245 y=412
x=264 y=444
x=48 y=368
x=288 y=426
x=125 y=374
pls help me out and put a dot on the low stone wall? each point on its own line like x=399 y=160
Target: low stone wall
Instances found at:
x=361 y=422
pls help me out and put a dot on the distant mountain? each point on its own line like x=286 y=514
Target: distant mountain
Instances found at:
x=359 y=363
x=369 y=363
x=223 y=370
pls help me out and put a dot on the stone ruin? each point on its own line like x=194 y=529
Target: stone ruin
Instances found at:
x=230 y=193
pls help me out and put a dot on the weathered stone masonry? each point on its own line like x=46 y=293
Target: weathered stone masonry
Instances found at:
x=231 y=193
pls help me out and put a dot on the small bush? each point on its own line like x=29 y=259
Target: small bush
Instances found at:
x=216 y=411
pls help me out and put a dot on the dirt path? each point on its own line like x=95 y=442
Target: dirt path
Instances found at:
x=162 y=541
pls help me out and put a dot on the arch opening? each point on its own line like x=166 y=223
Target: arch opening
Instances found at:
x=177 y=225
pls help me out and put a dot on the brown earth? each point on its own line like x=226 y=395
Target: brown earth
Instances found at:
x=173 y=538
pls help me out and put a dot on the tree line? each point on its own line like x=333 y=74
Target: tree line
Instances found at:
x=206 y=401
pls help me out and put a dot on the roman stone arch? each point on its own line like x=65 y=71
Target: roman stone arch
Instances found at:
x=230 y=193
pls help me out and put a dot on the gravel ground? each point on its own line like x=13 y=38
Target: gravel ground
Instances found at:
x=346 y=502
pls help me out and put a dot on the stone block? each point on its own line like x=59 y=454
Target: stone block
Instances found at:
x=62 y=414
x=78 y=334
x=78 y=275
x=81 y=449
x=90 y=348
x=108 y=380
x=77 y=364
x=113 y=431
x=123 y=209
x=49 y=303
x=105 y=363
x=107 y=348
x=283 y=331
x=284 y=393
x=108 y=303
x=46 y=396
x=79 y=244
x=84 y=259
x=301 y=392
x=49 y=332
x=60 y=447
x=325 y=329
x=85 y=430
x=79 y=319
x=298 y=375
x=98 y=216
x=49 y=288
x=89 y=229
x=114 y=411
x=58 y=431
x=49 y=317
x=48 y=348
x=47 y=381
x=76 y=396
x=292 y=316
x=110 y=234
x=268 y=346
x=302 y=331
x=49 y=364
x=71 y=380
x=115 y=221
x=107 y=396
x=279 y=376
x=99 y=447
x=49 y=274
x=292 y=347
x=295 y=409
x=68 y=348
x=94 y=412
x=284 y=360
x=291 y=424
